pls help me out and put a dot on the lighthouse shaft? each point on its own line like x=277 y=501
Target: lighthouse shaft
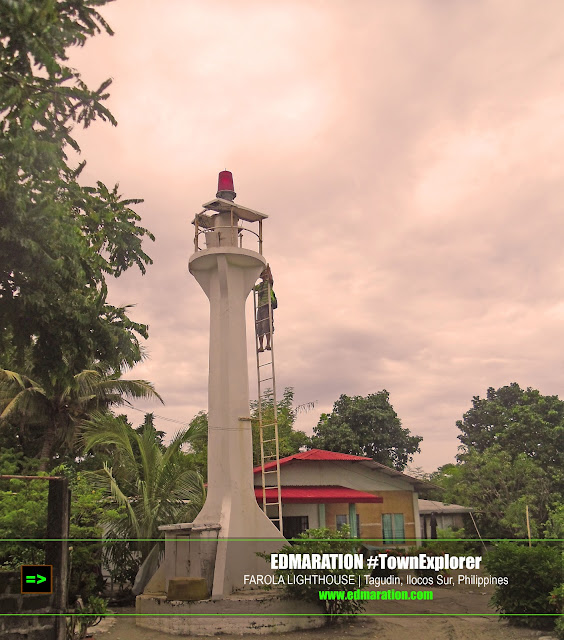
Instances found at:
x=227 y=275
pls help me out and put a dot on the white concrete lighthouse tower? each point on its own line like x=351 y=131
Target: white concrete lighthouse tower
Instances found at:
x=226 y=271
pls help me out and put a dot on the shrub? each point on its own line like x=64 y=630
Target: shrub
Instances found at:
x=322 y=541
x=559 y=627
x=122 y=563
x=85 y=557
x=556 y=601
x=532 y=573
x=85 y=616
x=451 y=541
x=23 y=514
x=554 y=527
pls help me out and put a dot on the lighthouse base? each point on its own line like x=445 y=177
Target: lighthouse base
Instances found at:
x=242 y=613
x=212 y=553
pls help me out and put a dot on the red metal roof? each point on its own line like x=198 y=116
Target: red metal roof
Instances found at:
x=314 y=455
x=323 y=494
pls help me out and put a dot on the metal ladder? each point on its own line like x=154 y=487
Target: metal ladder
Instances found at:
x=268 y=431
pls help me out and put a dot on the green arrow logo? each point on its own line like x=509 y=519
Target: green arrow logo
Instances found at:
x=40 y=579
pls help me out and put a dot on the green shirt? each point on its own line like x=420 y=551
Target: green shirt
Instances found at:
x=262 y=289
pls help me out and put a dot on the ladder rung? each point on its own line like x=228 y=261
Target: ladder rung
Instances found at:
x=271 y=471
x=270 y=424
x=265 y=379
x=270 y=456
x=270 y=440
x=265 y=364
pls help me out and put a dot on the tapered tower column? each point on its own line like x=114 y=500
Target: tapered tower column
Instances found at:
x=227 y=276
x=227 y=272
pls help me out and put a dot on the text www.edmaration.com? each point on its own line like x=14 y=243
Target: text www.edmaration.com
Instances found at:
x=390 y=594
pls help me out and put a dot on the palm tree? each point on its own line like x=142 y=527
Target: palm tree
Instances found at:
x=151 y=486
x=61 y=404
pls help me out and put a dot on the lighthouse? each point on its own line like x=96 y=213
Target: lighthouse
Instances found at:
x=216 y=545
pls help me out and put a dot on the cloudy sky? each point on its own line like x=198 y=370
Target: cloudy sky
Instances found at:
x=409 y=156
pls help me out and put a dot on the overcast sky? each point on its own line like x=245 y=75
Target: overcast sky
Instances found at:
x=410 y=158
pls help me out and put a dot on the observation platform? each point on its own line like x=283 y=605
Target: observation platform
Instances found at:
x=224 y=228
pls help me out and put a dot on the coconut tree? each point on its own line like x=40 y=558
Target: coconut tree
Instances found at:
x=148 y=485
x=58 y=405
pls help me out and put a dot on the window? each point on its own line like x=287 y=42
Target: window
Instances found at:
x=392 y=527
x=447 y=521
x=342 y=519
x=293 y=525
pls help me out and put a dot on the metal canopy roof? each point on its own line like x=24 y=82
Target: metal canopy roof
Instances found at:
x=224 y=206
x=434 y=506
x=320 y=455
x=319 y=494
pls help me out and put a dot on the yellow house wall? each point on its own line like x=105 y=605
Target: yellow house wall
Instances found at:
x=332 y=510
x=370 y=515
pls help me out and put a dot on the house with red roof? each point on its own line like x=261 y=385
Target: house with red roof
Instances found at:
x=329 y=489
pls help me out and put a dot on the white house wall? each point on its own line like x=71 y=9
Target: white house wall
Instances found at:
x=309 y=510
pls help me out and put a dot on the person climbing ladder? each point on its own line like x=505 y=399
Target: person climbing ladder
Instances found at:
x=263 y=320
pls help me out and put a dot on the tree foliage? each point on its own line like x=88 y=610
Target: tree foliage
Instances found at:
x=145 y=486
x=367 y=426
x=57 y=406
x=290 y=440
x=199 y=443
x=511 y=457
x=59 y=240
x=499 y=488
x=520 y=422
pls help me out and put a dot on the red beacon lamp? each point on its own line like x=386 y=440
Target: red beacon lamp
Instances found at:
x=225 y=188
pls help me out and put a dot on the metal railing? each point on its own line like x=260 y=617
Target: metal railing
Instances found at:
x=234 y=232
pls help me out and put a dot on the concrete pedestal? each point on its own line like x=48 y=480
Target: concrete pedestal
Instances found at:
x=241 y=613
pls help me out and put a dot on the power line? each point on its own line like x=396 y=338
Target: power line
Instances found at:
x=186 y=424
x=301 y=408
